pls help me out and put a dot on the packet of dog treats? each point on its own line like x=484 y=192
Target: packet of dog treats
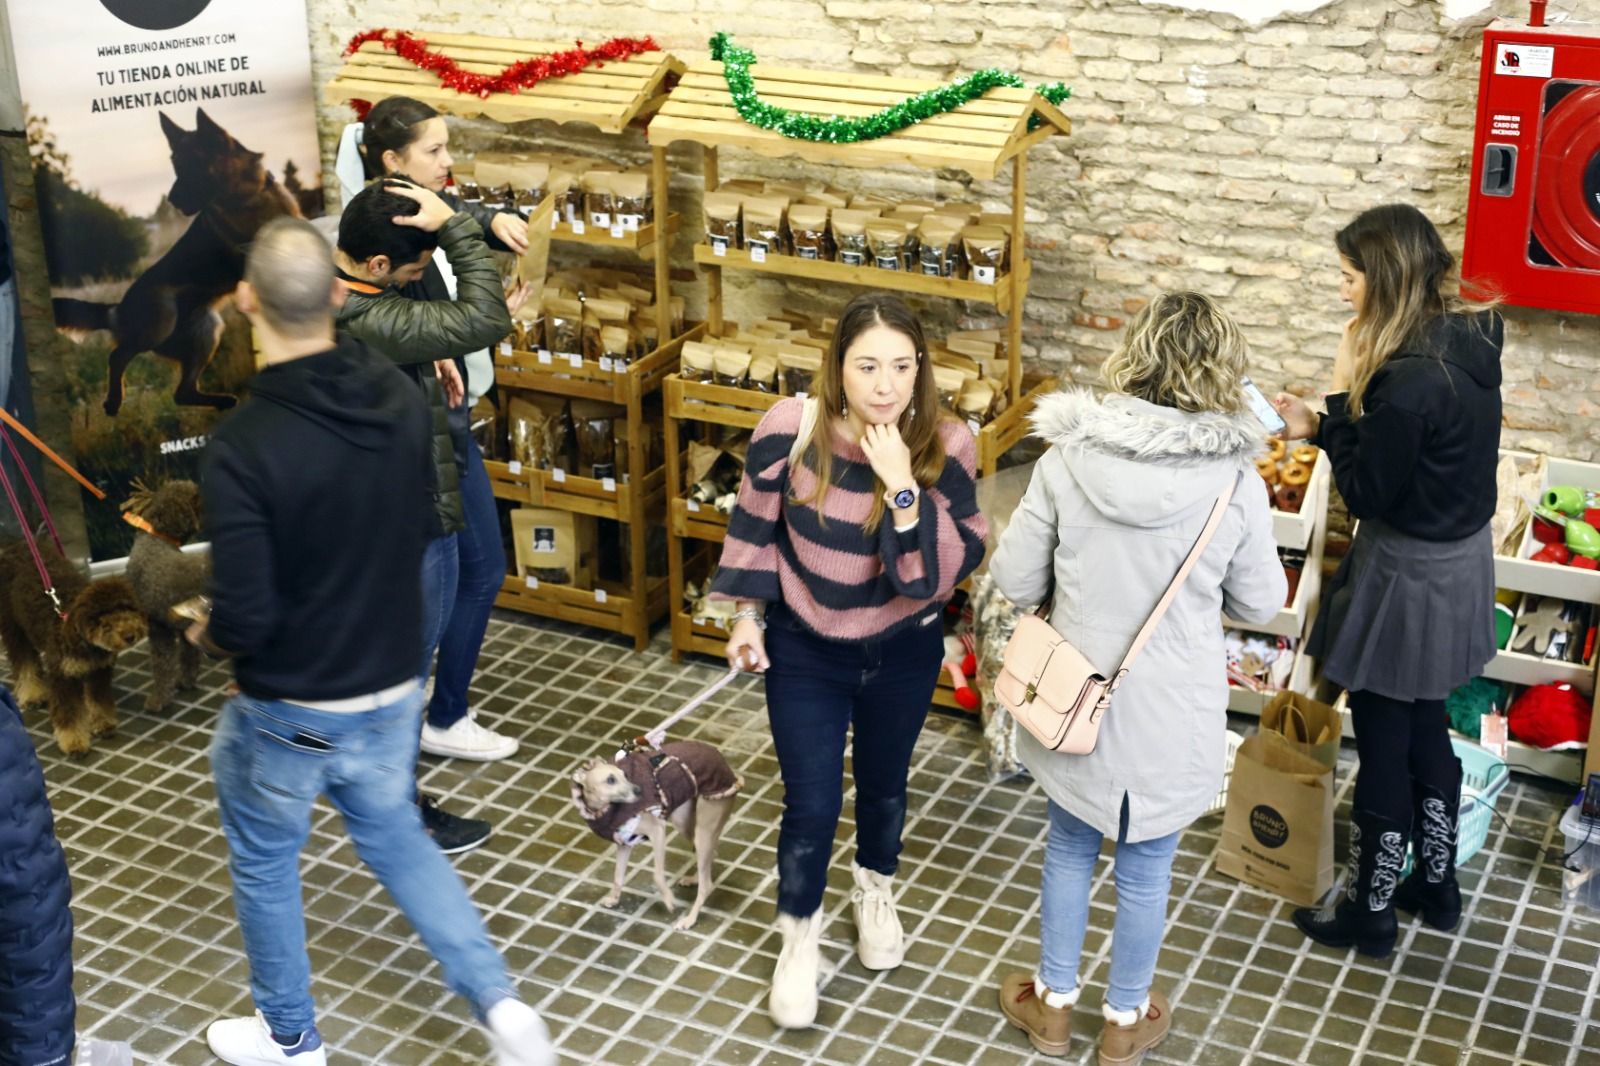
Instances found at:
x=723 y=212
x=630 y=200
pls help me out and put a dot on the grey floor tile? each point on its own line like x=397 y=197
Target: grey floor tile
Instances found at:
x=158 y=954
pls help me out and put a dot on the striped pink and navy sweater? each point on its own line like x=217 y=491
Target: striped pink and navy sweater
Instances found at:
x=841 y=582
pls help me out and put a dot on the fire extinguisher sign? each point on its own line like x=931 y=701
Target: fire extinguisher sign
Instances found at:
x=1524 y=60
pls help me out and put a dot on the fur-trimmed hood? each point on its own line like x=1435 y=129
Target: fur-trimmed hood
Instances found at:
x=1142 y=464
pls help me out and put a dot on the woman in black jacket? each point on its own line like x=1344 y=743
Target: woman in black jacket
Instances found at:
x=1413 y=433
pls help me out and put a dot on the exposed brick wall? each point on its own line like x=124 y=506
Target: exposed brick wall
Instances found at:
x=1207 y=153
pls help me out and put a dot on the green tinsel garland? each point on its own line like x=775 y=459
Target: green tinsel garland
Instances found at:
x=834 y=129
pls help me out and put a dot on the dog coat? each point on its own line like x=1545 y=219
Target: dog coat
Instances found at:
x=680 y=771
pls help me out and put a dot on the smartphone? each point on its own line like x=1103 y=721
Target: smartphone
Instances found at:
x=1262 y=407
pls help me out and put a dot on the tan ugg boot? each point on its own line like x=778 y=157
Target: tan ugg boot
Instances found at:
x=1023 y=1002
x=793 y=1002
x=1124 y=1044
x=880 y=940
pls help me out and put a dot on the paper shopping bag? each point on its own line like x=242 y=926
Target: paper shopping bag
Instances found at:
x=1309 y=725
x=1277 y=831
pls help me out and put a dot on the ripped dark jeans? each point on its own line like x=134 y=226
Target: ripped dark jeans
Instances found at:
x=816 y=689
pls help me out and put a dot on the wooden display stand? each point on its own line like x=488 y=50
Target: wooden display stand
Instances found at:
x=980 y=137
x=1307 y=532
x=614 y=97
x=1517 y=573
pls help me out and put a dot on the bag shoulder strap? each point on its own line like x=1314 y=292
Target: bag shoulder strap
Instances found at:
x=802 y=436
x=1218 y=509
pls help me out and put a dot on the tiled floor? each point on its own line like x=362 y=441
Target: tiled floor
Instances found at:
x=159 y=956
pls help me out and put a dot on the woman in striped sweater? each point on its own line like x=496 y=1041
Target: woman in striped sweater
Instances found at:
x=856 y=520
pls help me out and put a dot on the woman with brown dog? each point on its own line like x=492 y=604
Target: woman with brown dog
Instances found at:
x=856 y=520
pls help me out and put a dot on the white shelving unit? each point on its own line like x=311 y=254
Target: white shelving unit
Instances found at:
x=1519 y=573
x=1306 y=531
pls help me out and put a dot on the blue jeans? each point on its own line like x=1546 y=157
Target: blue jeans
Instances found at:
x=440 y=569
x=816 y=689
x=271 y=760
x=482 y=570
x=1144 y=879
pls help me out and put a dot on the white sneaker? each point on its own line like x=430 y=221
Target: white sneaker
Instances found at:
x=519 y=1035
x=880 y=940
x=467 y=740
x=248 y=1042
x=793 y=1002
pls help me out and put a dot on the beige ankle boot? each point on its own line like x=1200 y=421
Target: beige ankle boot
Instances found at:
x=793 y=1002
x=880 y=941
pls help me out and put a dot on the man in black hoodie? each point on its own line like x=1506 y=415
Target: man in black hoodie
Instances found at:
x=318 y=494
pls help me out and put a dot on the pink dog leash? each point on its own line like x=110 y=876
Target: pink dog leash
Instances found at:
x=658 y=736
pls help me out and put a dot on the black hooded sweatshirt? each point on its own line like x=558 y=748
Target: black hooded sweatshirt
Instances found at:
x=1422 y=456
x=317 y=494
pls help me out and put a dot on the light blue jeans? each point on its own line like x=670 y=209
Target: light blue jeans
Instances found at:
x=1144 y=880
x=271 y=760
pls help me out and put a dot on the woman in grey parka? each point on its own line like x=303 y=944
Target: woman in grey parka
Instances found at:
x=1113 y=508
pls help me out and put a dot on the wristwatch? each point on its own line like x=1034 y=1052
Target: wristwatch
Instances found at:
x=902 y=500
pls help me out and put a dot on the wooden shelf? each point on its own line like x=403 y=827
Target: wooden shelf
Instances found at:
x=610 y=609
x=609 y=97
x=544 y=371
x=641 y=242
x=978 y=137
x=999 y=294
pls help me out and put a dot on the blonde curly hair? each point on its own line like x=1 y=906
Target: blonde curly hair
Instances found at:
x=1181 y=350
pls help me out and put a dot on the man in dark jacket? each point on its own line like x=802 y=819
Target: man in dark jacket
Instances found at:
x=36 y=1004
x=314 y=494
x=388 y=234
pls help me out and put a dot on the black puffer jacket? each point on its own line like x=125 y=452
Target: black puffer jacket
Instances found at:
x=415 y=333
x=1422 y=456
x=37 y=1008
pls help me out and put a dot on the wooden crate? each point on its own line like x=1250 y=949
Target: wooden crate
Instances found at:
x=609 y=97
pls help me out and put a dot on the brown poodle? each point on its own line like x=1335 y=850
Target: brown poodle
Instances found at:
x=65 y=660
x=163 y=576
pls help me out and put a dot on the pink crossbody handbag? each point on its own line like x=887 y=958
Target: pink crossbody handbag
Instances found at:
x=1052 y=690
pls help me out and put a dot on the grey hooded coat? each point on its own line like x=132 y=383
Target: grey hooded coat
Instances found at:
x=1112 y=510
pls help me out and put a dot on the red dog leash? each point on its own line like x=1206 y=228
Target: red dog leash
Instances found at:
x=38 y=499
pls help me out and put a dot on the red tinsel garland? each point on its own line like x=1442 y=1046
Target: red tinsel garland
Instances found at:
x=523 y=74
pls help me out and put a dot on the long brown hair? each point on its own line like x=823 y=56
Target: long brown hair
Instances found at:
x=1410 y=282
x=919 y=423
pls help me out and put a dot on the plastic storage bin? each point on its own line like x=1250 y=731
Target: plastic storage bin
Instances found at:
x=1580 y=880
x=1484 y=776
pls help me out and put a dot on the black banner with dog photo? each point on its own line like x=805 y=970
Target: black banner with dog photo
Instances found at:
x=163 y=136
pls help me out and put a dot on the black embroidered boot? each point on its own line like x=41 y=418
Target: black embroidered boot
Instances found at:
x=1364 y=918
x=1431 y=888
